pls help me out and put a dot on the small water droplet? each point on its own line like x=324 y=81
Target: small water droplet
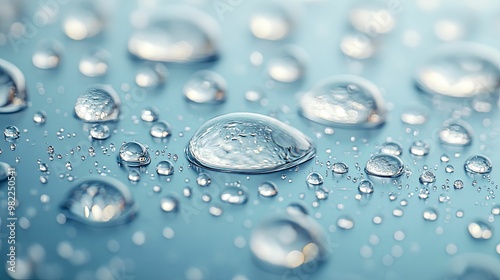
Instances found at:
x=391 y=148
x=97 y=104
x=149 y=114
x=414 y=116
x=47 y=54
x=365 y=187
x=234 y=195
x=205 y=87
x=357 y=46
x=11 y=133
x=419 y=148
x=384 y=165
x=340 y=168
x=458 y=184
x=100 y=131
x=480 y=230
x=372 y=19
x=288 y=65
x=151 y=75
x=94 y=63
x=345 y=223
x=314 y=179
x=427 y=177
x=83 y=22
x=165 y=168
x=133 y=153
x=160 y=129
x=321 y=193
x=268 y=189
x=430 y=214
x=40 y=117
x=273 y=23
x=134 y=176
x=203 y=180
x=169 y=203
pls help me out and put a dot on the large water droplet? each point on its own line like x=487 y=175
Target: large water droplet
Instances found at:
x=478 y=164
x=480 y=230
x=344 y=101
x=268 y=189
x=97 y=104
x=13 y=97
x=289 y=242
x=47 y=54
x=100 y=201
x=181 y=34
x=384 y=165
x=456 y=134
x=272 y=23
x=133 y=153
x=205 y=87
x=95 y=63
x=248 y=143
x=461 y=70
x=83 y=22
x=288 y=65
x=234 y=195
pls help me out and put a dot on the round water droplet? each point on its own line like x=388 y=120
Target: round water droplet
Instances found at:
x=419 y=148
x=414 y=116
x=430 y=214
x=100 y=201
x=423 y=193
x=84 y=21
x=234 y=195
x=460 y=70
x=391 y=148
x=151 y=75
x=100 y=131
x=40 y=117
x=149 y=114
x=345 y=223
x=480 y=230
x=321 y=193
x=160 y=129
x=4 y=171
x=97 y=104
x=340 y=168
x=181 y=34
x=134 y=176
x=455 y=134
x=314 y=179
x=165 y=168
x=47 y=54
x=268 y=189
x=289 y=242
x=358 y=46
x=288 y=65
x=95 y=63
x=205 y=87
x=478 y=164
x=169 y=203
x=11 y=133
x=248 y=143
x=133 y=154
x=427 y=177
x=344 y=101
x=13 y=97
x=384 y=166
x=372 y=19
x=458 y=184
x=365 y=187
x=272 y=23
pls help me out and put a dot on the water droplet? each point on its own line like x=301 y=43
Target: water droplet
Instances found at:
x=273 y=23
x=495 y=210
x=100 y=131
x=11 y=133
x=151 y=75
x=414 y=116
x=40 y=117
x=345 y=223
x=430 y=214
x=133 y=153
x=203 y=180
x=455 y=134
x=340 y=168
x=480 y=230
x=391 y=148
x=365 y=187
x=134 y=176
x=97 y=104
x=95 y=63
x=344 y=101
x=384 y=166
x=4 y=171
x=357 y=46
x=288 y=65
x=248 y=143
x=427 y=177
x=13 y=97
x=458 y=184
x=149 y=114
x=460 y=70
x=83 y=22
x=444 y=158
x=478 y=164
x=314 y=179
x=289 y=242
x=169 y=203
x=423 y=193
x=215 y=211
x=372 y=20
x=160 y=129
x=449 y=169
x=179 y=35
x=100 y=201
x=321 y=193
x=165 y=168
x=205 y=87
x=47 y=54
x=268 y=189
x=419 y=148
x=234 y=195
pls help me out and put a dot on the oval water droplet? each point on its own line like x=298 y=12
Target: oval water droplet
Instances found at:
x=344 y=101
x=268 y=189
x=165 y=168
x=100 y=131
x=384 y=165
x=430 y=214
x=40 y=117
x=149 y=114
x=203 y=179
x=47 y=54
x=340 y=168
x=100 y=201
x=288 y=65
x=248 y=143
x=478 y=164
x=205 y=87
x=456 y=134
x=289 y=241
x=480 y=230
x=181 y=35
x=151 y=75
x=458 y=184
x=169 y=203
x=314 y=179
x=95 y=63
x=419 y=148
x=13 y=97
x=460 y=70
x=427 y=177
x=134 y=176
x=273 y=23
x=372 y=19
x=160 y=129
x=84 y=21
x=98 y=104
x=391 y=148
x=365 y=187
x=234 y=195
x=358 y=46
x=414 y=116
x=133 y=154
x=11 y=133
